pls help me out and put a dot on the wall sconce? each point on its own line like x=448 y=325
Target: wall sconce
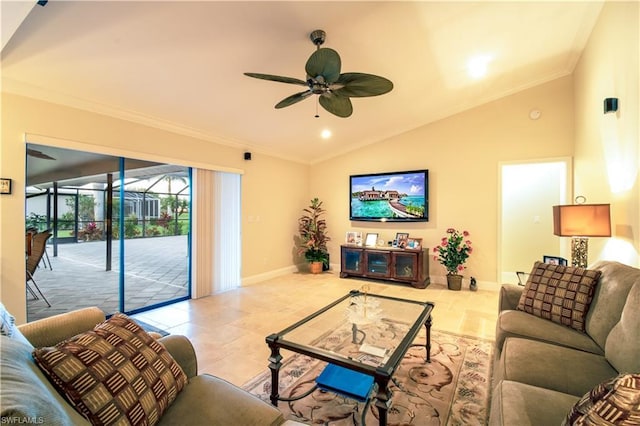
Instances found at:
x=610 y=105
x=580 y=221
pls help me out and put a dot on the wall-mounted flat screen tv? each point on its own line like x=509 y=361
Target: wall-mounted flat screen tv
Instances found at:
x=390 y=197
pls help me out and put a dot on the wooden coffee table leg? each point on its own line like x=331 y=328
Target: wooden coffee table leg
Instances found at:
x=275 y=362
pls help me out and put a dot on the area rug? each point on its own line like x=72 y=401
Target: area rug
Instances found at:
x=454 y=389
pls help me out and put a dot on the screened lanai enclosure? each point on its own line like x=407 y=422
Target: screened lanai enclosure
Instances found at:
x=120 y=231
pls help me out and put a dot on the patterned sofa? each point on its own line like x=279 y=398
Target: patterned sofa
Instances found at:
x=27 y=395
x=555 y=364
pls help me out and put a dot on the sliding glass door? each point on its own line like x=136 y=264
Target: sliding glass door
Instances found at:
x=153 y=229
x=121 y=231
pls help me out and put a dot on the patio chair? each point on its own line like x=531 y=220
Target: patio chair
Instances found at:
x=28 y=240
x=38 y=245
x=45 y=257
x=29 y=236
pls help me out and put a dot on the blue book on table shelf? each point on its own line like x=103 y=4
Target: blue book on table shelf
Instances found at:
x=346 y=382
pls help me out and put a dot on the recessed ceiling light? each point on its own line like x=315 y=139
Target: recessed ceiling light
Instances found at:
x=477 y=65
x=326 y=134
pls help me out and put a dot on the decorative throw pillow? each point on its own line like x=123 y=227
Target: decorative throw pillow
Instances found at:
x=615 y=401
x=114 y=373
x=7 y=322
x=558 y=293
x=8 y=326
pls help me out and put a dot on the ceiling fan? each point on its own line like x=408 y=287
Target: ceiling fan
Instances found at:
x=38 y=154
x=324 y=79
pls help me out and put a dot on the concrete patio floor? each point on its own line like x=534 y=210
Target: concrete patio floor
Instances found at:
x=156 y=270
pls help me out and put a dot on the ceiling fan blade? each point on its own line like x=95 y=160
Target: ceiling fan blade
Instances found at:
x=38 y=154
x=325 y=62
x=356 y=85
x=336 y=105
x=277 y=78
x=293 y=99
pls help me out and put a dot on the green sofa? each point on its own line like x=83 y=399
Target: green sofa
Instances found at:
x=543 y=368
x=27 y=395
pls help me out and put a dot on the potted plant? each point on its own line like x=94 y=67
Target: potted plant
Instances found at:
x=452 y=253
x=313 y=236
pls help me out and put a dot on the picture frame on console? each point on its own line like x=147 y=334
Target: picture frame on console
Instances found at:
x=354 y=237
x=401 y=239
x=414 y=243
x=372 y=239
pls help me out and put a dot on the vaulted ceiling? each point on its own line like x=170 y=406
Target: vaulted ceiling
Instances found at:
x=179 y=65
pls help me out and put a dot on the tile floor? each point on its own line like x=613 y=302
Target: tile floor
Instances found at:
x=228 y=330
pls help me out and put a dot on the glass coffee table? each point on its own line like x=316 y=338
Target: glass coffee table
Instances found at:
x=360 y=332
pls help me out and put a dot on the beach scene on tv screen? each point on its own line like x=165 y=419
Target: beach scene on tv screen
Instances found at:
x=390 y=196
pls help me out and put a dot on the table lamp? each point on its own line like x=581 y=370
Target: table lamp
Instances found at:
x=580 y=221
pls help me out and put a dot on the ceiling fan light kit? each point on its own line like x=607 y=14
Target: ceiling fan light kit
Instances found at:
x=324 y=79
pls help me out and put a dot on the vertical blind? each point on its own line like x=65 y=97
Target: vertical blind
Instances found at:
x=227 y=232
x=202 y=233
x=216 y=232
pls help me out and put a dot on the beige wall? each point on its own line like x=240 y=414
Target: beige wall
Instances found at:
x=462 y=154
x=606 y=151
x=263 y=181
x=274 y=192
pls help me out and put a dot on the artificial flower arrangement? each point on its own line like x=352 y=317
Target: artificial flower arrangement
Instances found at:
x=453 y=251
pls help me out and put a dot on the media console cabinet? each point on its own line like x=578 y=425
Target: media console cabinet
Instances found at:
x=392 y=264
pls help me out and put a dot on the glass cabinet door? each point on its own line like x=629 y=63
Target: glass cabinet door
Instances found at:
x=404 y=265
x=377 y=263
x=352 y=260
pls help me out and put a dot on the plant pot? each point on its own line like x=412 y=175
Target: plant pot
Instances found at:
x=315 y=267
x=454 y=282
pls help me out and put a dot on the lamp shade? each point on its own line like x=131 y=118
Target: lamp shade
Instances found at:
x=582 y=220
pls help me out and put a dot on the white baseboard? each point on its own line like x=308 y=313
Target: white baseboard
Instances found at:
x=254 y=279
x=435 y=279
x=485 y=285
